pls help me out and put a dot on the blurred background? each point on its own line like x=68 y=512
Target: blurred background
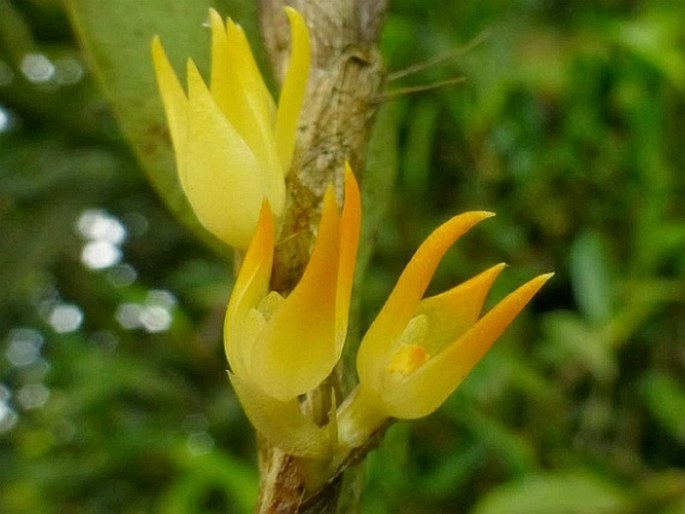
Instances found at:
x=570 y=125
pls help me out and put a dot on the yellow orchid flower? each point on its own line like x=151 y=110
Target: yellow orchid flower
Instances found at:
x=417 y=352
x=233 y=146
x=279 y=348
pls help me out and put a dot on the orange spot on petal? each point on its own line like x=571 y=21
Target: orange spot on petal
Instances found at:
x=408 y=359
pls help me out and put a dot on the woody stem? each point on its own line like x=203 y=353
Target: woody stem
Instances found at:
x=346 y=76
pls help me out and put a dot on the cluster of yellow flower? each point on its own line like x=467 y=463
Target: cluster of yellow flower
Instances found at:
x=233 y=148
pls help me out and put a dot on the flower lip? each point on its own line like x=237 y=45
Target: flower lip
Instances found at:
x=430 y=385
x=411 y=376
x=407 y=293
x=407 y=359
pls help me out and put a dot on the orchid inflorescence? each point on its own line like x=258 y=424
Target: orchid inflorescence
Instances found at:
x=233 y=148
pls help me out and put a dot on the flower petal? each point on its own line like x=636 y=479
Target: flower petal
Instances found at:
x=173 y=98
x=451 y=313
x=240 y=92
x=293 y=90
x=222 y=178
x=405 y=297
x=425 y=390
x=298 y=349
x=233 y=62
x=350 y=225
x=282 y=422
x=251 y=285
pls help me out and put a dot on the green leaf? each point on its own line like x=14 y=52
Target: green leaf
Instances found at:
x=202 y=474
x=654 y=37
x=571 y=342
x=116 y=37
x=568 y=492
x=378 y=181
x=591 y=277
x=380 y=171
x=418 y=149
x=665 y=399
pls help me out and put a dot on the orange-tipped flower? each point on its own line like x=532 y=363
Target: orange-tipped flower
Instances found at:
x=279 y=348
x=233 y=145
x=417 y=352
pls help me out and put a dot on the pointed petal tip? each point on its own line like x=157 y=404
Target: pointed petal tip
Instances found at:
x=230 y=25
x=449 y=232
x=541 y=280
x=489 y=275
x=467 y=219
x=485 y=214
x=265 y=210
x=351 y=188
x=157 y=51
x=191 y=68
x=262 y=240
x=196 y=84
x=158 y=54
x=546 y=276
x=298 y=26
x=292 y=94
x=525 y=293
x=328 y=197
x=480 y=214
x=293 y=14
x=348 y=171
x=266 y=217
x=216 y=22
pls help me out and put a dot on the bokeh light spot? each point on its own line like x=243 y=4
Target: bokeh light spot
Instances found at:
x=65 y=318
x=68 y=71
x=200 y=443
x=8 y=417
x=24 y=346
x=128 y=315
x=32 y=396
x=100 y=254
x=121 y=275
x=155 y=318
x=97 y=225
x=37 y=68
x=4 y=120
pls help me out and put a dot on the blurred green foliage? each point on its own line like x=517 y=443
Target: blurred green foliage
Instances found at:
x=570 y=125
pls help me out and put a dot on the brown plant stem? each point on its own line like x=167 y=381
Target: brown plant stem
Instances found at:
x=345 y=79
